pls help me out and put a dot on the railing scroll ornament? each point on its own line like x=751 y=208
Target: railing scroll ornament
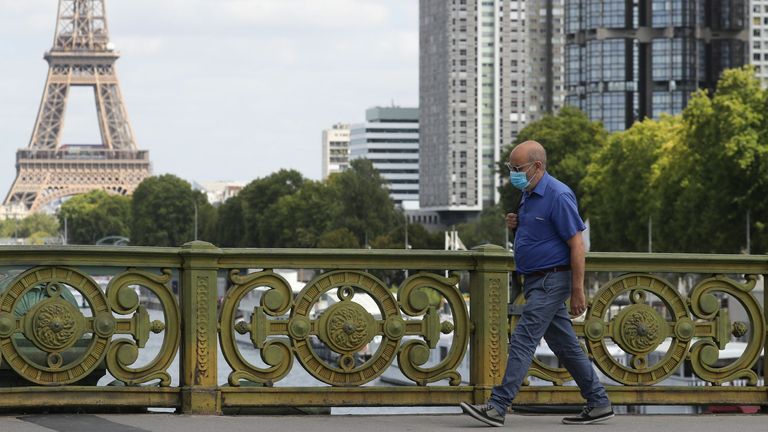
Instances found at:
x=38 y=307
x=345 y=328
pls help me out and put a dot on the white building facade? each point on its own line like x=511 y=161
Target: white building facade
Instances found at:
x=758 y=38
x=390 y=140
x=335 y=156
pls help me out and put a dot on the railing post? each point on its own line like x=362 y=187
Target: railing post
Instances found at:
x=489 y=293
x=199 y=382
x=764 y=408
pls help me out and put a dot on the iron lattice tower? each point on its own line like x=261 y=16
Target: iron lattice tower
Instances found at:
x=48 y=170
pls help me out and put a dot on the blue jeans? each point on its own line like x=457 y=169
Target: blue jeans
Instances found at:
x=545 y=316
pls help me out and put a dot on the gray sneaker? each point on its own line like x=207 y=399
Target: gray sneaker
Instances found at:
x=590 y=415
x=485 y=413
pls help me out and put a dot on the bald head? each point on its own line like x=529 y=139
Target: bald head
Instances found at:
x=529 y=151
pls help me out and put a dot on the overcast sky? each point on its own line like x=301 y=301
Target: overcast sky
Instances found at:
x=221 y=89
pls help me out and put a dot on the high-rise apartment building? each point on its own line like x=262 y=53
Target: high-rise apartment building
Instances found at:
x=487 y=67
x=545 y=60
x=389 y=138
x=758 y=39
x=627 y=60
x=335 y=149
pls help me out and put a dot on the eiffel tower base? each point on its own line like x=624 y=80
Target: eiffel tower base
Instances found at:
x=45 y=177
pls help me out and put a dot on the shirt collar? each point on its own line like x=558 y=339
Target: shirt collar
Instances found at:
x=542 y=185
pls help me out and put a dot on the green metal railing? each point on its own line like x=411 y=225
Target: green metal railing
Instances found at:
x=55 y=349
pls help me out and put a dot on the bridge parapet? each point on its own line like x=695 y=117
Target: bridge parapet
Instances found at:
x=436 y=319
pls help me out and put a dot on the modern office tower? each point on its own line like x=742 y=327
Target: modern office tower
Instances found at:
x=628 y=60
x=390 y=140
x=335 y=149
x=486 y=68
x=758 y=39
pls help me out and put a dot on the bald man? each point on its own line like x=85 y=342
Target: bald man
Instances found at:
x=549 y=253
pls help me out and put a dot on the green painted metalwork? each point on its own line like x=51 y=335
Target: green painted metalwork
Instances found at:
x=124 y=301
x=51 y=341
x=54 y=325
x=345 y=328
x=639 y=329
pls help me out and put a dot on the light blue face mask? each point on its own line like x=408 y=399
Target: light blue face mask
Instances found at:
x=519 y=180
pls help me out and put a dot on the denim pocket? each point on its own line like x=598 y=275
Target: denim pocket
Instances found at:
x=557 y=284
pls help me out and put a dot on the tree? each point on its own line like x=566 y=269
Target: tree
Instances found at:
x=618 y=186
x=303 y=219
x=35 y=227
x=257 y=197
x=92 y=216
x=420 y=238
x=570 y=139
x=42 y=224
x=489 y=227
x=163 y=211
x=361 y=203
x=717 y=172
x=340 y=238
x=230 y=229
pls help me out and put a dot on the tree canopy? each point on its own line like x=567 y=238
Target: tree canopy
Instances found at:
x=163 y=210
x=95 y=215
x=570 y=138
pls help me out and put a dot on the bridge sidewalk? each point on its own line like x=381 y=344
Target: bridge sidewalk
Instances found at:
x=364 y=423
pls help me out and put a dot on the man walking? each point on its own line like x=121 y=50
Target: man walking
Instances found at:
x=549 y=253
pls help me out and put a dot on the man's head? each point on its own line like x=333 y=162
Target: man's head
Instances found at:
x=529 y=158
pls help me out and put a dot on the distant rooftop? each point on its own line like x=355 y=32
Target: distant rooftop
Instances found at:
x=392 y=114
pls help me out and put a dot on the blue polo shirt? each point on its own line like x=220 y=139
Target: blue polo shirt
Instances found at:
x=547 y=219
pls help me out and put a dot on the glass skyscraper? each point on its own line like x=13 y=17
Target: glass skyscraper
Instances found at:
x=631 y=59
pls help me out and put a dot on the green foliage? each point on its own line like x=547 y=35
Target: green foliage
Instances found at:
x=696 y=175
x=489 y=227
x=420 y=238
x=163 y=210
x=618 y=185
x=570 y=139
x=287 y=210
x=717 y=171
x=340 y=238
x=304 y=219
x=230 y=226
x=360 y=202
x=34 y=227
x=258 y=199
x=92 y=216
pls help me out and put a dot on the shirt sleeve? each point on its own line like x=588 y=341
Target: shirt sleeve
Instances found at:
x=565 y=215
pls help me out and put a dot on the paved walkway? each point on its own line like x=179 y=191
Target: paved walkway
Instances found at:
x=363 y=423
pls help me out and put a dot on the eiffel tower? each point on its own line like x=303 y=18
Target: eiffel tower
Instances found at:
x=48 y=170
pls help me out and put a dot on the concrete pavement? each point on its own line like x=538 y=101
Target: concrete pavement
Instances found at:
x=365 y=423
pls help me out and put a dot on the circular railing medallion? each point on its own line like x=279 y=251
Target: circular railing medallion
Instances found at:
x=56 y=325
x=640 y=329
x=347 y=326
x=34 y=305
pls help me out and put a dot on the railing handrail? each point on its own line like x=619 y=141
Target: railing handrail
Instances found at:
x=294 y=258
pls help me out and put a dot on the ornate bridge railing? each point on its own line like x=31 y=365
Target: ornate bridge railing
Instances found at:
x=203 y=329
